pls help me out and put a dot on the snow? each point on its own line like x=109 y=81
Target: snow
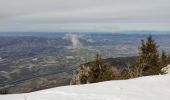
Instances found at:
x=143 y=88
x=166 y=69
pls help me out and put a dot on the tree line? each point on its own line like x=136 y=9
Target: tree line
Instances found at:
x=150 y=61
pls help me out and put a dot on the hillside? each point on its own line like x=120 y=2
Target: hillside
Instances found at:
x=144 y=88
x=118 y=62
x=56 y=78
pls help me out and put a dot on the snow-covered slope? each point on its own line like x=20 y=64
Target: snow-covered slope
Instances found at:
x=144 y=88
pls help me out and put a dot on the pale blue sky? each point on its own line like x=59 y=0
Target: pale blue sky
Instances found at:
x=84 y=15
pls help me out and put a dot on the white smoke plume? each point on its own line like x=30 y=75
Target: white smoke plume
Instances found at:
x=75 y=39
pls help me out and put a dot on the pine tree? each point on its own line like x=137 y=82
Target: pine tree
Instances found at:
x=95 y=69
x=164 y=59
x=83 y=74
x=168 y=59
x=98 y=71
x=109 y=73
x=4 y=91
x=80 y=76
x=148 y=61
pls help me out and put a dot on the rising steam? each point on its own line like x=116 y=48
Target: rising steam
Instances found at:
x=75 y=39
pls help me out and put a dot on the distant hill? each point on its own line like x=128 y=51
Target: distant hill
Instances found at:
x=119 y=62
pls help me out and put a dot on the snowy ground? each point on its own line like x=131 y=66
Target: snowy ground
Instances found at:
x=144 y=88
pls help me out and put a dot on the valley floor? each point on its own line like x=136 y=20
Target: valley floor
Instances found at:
x=144 y=88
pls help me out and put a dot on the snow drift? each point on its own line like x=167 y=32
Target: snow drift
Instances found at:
x=144 y=88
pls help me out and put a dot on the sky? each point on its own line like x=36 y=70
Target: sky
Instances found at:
x=83 y=15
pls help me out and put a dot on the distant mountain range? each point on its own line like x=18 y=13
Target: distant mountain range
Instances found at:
x=60 y=34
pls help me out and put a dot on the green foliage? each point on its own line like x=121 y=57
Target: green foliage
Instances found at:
x=168 y=59
x=83 y=75
x=149 y=62
x=164 y=59
x=4 y=91
x=95 y=69
x=98 y=71
x=83 y=79
x=125 y=74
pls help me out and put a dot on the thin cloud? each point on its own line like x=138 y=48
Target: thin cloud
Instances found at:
x=57 y=15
